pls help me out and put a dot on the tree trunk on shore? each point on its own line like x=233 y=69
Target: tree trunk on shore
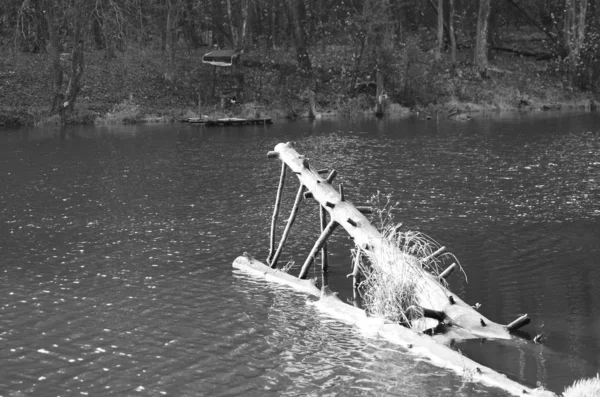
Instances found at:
x=440 y=30
x=493 y=32
x=65 y=100
x=452 y=33
x=189 y=25
x=574 y=31
x=76 y=69
x=171 y=39
x=244 y=27
x=357 y=57
x=57 y=71
x=232 y=30
x=238 y=33
x=381 y=95
x=398 y=9
x=294 y=12
x=481 y=40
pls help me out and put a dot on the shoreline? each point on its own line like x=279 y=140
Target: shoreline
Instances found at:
x=461 y=112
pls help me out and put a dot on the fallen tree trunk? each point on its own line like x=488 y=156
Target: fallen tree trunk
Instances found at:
x=432 y=295
x=540 y=56
x=435 y=350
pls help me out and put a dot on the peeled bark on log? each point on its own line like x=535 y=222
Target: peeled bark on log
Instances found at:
x=432 y=294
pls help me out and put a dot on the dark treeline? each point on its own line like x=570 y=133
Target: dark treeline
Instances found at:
x=371 y=33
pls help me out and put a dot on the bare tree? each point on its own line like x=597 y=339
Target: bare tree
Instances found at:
x=481 y=38
x=574 y=31
x=173 y=15
x=452 y=33
x=65 y=21
x=108 y=22
x=440 y=30
x=294 y=10
x=238 y=24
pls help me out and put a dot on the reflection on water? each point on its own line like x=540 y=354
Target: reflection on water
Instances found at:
x=116 y=247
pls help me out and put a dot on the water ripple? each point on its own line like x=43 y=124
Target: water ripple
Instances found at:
x=116 y=248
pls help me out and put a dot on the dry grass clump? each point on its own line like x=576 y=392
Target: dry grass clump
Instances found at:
x=584 y=387
x=389 y=289
x=392 y=275
x=125 y=112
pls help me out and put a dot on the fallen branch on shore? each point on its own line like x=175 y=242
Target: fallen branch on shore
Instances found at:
x=539 y=56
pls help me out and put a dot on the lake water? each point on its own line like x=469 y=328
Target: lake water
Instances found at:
x=116 y=246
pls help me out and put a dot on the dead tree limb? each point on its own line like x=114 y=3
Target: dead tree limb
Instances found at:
x=533 y=21
x=431 y=293
x=276 y=213
x=540 y=56
x=322 y=240
x=288 y=226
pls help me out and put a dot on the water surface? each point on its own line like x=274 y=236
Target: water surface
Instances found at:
x=116 y=247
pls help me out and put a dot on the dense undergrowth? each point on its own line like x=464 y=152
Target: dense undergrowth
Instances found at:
x=131 y=87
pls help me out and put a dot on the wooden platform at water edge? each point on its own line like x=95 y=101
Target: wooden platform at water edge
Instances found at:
x=227 y=121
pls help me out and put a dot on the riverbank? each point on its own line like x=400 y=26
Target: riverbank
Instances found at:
x=131 y=88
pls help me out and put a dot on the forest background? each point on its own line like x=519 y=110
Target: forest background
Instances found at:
x=104 y=61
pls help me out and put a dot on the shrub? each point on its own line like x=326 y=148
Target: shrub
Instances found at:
x=126 y=112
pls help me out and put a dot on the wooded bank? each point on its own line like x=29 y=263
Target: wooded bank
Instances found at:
x=92 y=56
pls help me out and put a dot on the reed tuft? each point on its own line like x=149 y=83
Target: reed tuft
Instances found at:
x=391 y=287
x=584 y=387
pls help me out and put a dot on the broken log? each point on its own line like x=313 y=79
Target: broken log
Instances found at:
x=435 y=349
x=431 y=293
x=518 y=323
x=446 y=273
x=434 y=255
x=540 y=56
